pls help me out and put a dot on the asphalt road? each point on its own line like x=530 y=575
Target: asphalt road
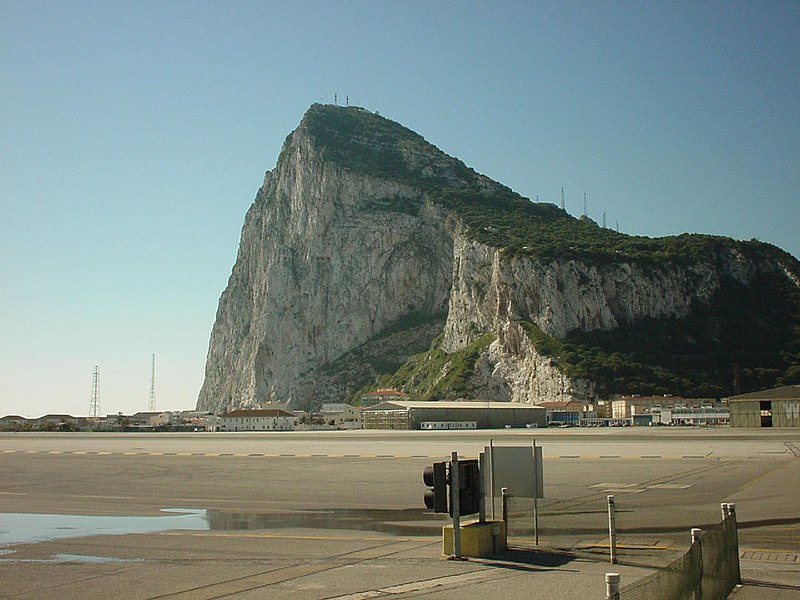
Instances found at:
x=333 y=512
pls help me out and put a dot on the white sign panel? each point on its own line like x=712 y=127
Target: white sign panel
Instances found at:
x=517 y=468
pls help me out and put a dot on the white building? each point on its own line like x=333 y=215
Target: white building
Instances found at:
x=340 y=415
x=257 y=420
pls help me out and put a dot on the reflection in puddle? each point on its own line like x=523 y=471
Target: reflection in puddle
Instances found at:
x=409 y=521
x=24 y=528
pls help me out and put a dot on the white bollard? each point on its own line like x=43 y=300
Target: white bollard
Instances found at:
x=697 y=534
x=612 y=586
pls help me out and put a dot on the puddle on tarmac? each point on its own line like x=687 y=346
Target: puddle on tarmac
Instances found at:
x=409 y=521
x=70 y=558
x=26 y=528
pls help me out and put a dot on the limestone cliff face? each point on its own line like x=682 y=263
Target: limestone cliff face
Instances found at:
x=351 y=260
x=328 y=260
x=491 y=293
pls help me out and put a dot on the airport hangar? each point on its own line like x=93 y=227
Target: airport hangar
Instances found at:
x=452 y=415
x=778 y=407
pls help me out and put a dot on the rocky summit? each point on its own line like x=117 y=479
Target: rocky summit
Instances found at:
x=370 y=258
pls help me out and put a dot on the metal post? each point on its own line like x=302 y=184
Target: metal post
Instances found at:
x=454 y=503
x=612 y=586
x=482 y=488
x=491 y=473
x=612 y=529
x=735 y=540
x=724 y=508
x=697 y=534
x=504 y=494
x=535 y=497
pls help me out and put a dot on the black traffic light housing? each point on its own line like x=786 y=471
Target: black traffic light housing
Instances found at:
x=469 y=487
x=439 y=497
x=435 y=477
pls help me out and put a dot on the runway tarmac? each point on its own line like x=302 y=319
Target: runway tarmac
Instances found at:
x=351 y=502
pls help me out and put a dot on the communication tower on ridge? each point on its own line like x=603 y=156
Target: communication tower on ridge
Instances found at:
x=151 y=403
x=562 y=198
x=94 y=403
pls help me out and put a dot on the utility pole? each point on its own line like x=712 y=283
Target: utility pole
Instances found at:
x=151 y=403
x=94 y=403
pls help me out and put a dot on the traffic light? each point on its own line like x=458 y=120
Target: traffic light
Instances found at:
x=439 y=496
x=435 y=477
x=469 y=487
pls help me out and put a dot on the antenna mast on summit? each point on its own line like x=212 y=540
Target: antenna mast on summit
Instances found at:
x=562 y=198
x=585 y=211
x=94 y=403
x=151 y=404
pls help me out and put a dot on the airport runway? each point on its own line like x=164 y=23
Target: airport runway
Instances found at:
x=333 y=497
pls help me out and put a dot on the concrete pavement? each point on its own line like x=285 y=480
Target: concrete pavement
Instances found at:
x=313 y=517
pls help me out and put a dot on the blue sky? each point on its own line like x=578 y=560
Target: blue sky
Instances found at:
x=136 y=134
